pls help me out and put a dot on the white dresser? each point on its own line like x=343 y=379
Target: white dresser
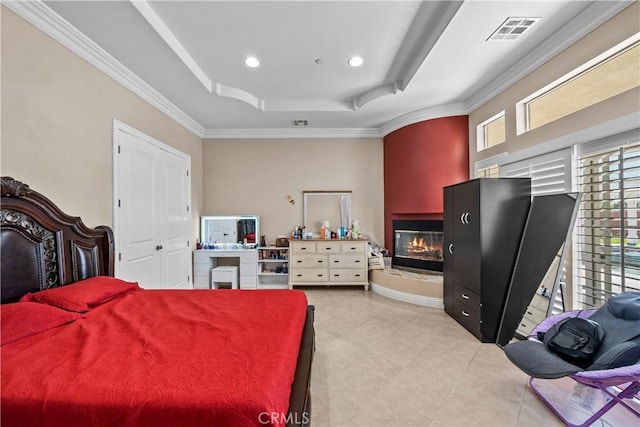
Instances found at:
x=328 y=262
x=206 y=259
x=536 y=313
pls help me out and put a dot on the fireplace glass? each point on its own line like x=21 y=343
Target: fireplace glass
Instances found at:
x=418 y=245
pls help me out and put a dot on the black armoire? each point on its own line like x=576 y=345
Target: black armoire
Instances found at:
x=483 y=222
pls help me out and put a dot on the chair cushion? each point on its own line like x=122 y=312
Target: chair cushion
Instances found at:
x=623 y=354
x=536 y=360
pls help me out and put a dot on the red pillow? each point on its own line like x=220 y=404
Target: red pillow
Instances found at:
x=23 y=319
x=83 y=295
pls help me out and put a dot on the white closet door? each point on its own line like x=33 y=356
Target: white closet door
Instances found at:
x=152 y=213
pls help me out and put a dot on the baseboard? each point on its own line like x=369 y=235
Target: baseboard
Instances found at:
x=406 y=297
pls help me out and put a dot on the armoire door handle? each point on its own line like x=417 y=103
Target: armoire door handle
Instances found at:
x=451 y=248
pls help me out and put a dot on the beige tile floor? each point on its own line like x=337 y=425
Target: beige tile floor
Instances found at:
x=381 y=362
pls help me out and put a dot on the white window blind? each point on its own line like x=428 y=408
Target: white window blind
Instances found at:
x=608 y=247
x=549 y=173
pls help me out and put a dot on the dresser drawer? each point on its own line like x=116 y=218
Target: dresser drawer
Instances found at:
x=303 y=247
x=308 y=261
x=309 y=275
x=248 y=282
x=346 y=261
x=526 y=326
x=466 y=296
x=347 y=275
x=248 y=269
x=250 y=257
x=535 y=314
x=328 y=247
x=352 y=248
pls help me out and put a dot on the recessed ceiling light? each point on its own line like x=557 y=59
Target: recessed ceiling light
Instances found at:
x=252 y=62
x=355 y=61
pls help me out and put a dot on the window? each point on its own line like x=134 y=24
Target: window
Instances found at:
x=488 y=172
x=610 y=74
x=491 y=132
x=608 y=244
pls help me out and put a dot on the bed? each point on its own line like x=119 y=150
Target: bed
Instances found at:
x=81 y=347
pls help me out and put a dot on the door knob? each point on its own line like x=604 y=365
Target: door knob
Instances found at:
x=158 y=247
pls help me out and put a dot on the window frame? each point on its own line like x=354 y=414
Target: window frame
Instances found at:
x=522 y=111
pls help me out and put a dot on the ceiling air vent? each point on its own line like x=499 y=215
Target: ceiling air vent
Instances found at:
x=300 y=123
x=511 y=28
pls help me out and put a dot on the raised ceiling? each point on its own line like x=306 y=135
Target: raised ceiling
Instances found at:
x=421 y=59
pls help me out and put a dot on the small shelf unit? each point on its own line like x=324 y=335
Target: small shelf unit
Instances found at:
x=273 y=267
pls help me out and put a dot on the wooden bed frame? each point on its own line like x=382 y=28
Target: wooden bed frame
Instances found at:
x=41 y=247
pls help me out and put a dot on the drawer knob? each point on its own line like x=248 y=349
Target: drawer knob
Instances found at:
x=299 y=275
x=320 y=275
x=299 y=261
x=336 y=275
x=336 y=261
x=357 y=261
x=353 y=249
x=465 y=296
x=357 y=275
x=319 y=261
x=465 y=314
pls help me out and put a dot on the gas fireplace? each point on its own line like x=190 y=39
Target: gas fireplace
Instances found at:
x=418 y=244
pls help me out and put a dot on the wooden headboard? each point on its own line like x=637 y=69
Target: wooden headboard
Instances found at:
x=41 y=247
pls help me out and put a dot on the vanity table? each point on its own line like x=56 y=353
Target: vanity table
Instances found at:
x=206 y=259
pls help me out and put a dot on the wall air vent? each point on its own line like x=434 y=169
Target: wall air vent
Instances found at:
x=512 y=28
x=300 y=123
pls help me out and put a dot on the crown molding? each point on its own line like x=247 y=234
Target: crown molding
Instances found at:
x=286 y=133
x=45 y=19
x=455 y=109
x=594 y=15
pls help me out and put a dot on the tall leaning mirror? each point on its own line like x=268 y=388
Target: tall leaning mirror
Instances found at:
x=538 y=267
x=320 y=207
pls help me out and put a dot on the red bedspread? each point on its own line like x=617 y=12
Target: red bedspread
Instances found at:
x=160 y=358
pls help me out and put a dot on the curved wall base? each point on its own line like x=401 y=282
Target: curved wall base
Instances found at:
x=407 y=297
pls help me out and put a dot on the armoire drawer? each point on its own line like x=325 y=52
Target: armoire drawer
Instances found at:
x=466 y=296
x=468 y=317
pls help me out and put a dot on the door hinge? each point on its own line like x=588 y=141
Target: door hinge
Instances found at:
x=187 y=173
x=118 y=202
x=188 y=279
x=118 y=149
x=187 y=243
x=119 y=256
x=187 y=208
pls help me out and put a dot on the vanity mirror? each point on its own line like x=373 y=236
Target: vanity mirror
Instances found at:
x=333 y=207
x=538 y=267
x=229 y=229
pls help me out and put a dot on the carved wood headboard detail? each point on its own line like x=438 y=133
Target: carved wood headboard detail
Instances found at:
x=41 y=247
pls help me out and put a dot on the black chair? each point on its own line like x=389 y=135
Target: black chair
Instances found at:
x=616 y=366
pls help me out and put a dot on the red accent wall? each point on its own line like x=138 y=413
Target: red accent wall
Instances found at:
x=419 y=160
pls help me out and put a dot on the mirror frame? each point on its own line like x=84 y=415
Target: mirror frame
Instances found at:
x=204 y=218
x=309 y=194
